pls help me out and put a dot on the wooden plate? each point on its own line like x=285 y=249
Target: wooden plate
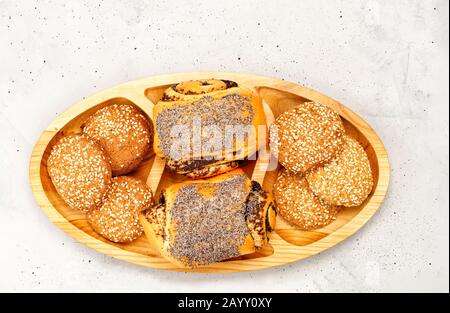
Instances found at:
x=286 y=244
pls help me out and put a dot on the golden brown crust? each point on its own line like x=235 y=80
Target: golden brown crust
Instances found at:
x=124 y=133
x=117 y=218
x=80 y=171
x=306 y=136
x=208 y=95
x=298 y=205
x=346 y=180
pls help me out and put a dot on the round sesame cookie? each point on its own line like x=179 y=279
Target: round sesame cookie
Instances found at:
x=124 y=133
x=346 y=180
x=298 y=205
x=117 y=218
x=306 y=136
x=80 y=171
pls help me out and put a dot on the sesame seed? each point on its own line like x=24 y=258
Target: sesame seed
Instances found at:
x=125 y=134
x=117 y=218
x=298 y=205
x=346 y=180
x=80 y=171
x=305 y=136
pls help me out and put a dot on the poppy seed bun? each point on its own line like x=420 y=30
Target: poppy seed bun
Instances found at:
x=205 y=221
x=117 y=218
x=124 y=133
x=80 y=171
x=204 y=128
x=305 y=136
x=297 y=204
x=346 y=180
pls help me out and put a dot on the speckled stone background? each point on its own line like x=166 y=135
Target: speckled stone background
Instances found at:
x=386 y=60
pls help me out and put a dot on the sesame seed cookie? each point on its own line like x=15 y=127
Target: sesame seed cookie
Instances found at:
x=346 y=180
x=297 y=204
x=124 y=133
x=117 y=218
x=80 y=171
x=306 y=136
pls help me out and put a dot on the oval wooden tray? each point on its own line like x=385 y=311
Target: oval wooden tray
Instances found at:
x=286 y=244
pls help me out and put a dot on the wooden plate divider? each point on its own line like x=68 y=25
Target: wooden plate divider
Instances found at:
x=287 y=244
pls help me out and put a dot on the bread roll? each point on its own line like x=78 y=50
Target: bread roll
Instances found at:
x=306 y=136
x=346 y=180
x=80 y=171
x=194 y=125
x=123 y=132
x=205 y=221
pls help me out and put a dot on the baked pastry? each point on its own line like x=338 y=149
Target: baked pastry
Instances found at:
x=204 y=221
x=80 y=171
x=306 y=136
x=204 y=128
x=346 y=180
x=125 y=134
x=297 y=204
x=117 y=218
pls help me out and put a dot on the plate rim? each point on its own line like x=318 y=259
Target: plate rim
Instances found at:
x=294 y=253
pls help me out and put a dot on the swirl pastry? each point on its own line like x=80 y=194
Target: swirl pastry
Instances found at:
x=205 y=221
x=204 y=128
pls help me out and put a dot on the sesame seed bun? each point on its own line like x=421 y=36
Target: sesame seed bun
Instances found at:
x=124 y=133
x=117 y=218
x=305 y=136
x=298 y=205
x=80 y=171
x=346 y=180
